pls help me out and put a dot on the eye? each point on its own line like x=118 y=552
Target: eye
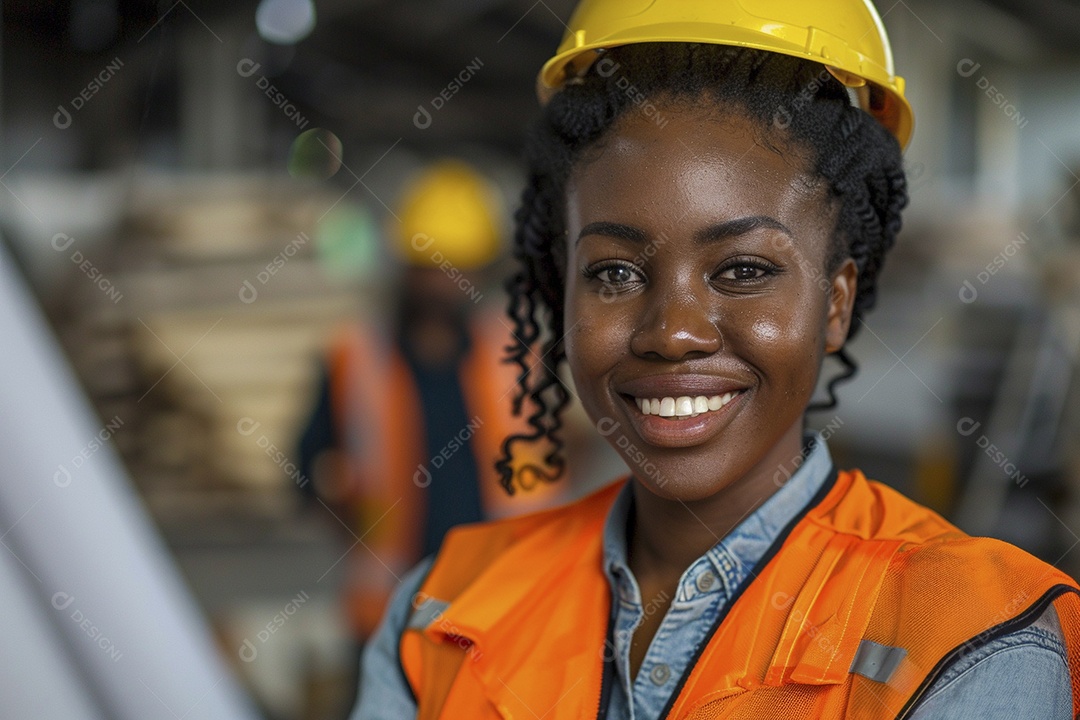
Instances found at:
x=747 y=271
x=614 y=275
x=743 y=272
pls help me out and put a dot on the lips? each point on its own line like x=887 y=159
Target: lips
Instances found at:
x=681 y=410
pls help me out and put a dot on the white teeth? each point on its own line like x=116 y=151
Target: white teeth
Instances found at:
x=683 y=406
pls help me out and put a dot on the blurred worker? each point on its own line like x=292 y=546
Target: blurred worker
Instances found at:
x=412 y=412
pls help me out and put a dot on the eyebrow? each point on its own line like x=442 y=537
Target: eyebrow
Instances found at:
x=615 y=230
x=713 y=233
x=740 y=226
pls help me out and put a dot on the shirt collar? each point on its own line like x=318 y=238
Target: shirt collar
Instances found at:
x=735 y=555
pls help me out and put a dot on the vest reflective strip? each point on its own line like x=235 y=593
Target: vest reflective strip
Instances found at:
x=426 y=613
x=877 y=662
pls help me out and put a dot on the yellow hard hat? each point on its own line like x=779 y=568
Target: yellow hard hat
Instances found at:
x=846 y=36
x=450 y=213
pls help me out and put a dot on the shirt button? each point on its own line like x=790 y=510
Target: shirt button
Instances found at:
x=660 y=674
x=705 y=581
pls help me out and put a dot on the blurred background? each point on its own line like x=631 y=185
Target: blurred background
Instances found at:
x=209 y=213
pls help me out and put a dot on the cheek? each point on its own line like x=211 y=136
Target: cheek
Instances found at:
x=596 y=338
x=783 y=340
x=785 y=332
x=766 y=331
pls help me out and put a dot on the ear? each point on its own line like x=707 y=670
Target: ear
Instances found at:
x=841 y=303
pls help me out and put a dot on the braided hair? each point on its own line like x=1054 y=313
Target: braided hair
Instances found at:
x=795 y=101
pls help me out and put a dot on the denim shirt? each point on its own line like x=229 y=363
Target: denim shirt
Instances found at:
x=1021 y=675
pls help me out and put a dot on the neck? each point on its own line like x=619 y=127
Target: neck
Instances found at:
x=666 y=536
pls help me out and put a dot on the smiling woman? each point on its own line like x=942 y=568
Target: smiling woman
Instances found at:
x=693 y=266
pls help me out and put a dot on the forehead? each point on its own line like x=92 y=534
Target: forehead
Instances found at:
x=694 y=165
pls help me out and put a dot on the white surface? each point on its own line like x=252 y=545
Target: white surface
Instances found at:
x=33 y=654
x=96 y=561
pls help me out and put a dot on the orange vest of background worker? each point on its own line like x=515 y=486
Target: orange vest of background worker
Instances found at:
x=414 y=414
x=866 y=598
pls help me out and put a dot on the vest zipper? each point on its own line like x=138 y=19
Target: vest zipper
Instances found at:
x=1017 y=623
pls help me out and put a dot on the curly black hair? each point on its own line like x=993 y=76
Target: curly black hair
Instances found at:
x=795 y=102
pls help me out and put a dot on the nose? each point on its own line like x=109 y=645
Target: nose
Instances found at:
x=677 y=326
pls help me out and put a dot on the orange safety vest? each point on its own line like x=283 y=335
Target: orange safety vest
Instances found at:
x=852 y=614
x=376 y=405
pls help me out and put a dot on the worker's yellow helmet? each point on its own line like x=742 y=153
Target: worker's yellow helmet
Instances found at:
x=846 y=36
x=450 y=213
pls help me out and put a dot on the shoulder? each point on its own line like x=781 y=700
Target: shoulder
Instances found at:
x=924 y=541
x=929 y=551
x=964 y=604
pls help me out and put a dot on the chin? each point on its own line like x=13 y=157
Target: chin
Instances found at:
x=684 y=474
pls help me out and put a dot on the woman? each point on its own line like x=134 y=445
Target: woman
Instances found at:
x=708 y=209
